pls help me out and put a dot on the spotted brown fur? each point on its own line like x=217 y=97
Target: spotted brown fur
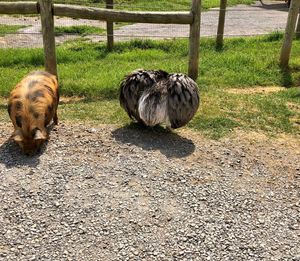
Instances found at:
x=32 y=105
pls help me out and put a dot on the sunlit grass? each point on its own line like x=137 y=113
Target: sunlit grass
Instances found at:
x=155 y=5
x=90 y=71
x=9 y=29
x=79 y=30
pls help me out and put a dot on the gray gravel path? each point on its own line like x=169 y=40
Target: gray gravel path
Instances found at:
x=108 y=193
x=241 y=20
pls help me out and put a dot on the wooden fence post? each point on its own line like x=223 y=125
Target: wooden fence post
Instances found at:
x=221 y=25
x=298 y=28
x=46 y=11
x=195 y=40
x=289 y=34
x=110 y=27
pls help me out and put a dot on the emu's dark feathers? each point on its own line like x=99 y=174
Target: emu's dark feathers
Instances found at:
x=183 y=99
x=133 y=86
x=154 y=97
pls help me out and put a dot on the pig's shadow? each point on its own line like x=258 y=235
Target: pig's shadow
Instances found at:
x=12 y=156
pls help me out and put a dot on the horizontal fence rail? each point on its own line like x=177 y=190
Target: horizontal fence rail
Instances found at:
x=93 y=13
x=123 y=16
x=19 y=8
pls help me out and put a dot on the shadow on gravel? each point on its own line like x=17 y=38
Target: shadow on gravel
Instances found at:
x=167 y=142
x=12 y=156
x=275 y=6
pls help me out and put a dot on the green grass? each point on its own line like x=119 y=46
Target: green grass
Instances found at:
x=269 y=113
x=88 y=70
x=158 y=5
x=9 y=29
x=79 y=29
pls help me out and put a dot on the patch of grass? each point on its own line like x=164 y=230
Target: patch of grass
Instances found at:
x=214 y=127
x=89 y=70
x=221 y=113
x=9 y=29
x=79 y=29
x=105 y=111
x=218 y=116
x=156 y=5
x=275 y=36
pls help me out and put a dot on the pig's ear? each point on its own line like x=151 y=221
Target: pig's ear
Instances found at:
x=38 y=135
x=17 y=136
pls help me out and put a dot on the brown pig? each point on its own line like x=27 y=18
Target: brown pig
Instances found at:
x=32 y=105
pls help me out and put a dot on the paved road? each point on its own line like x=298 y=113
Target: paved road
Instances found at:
x=241 y=20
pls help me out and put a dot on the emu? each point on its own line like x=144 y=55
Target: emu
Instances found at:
x=156 y=97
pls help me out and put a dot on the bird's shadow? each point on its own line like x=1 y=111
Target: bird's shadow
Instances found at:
x=157 y=138
x=12 y=156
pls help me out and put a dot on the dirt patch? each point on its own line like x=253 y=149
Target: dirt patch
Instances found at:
x=295 y=121
x=294 y=106
x=296 y=109
x=68 y=100
x=257 y=90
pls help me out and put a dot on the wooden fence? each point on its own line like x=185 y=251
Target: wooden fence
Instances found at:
x=289 y=34
x=47 y=10
x=290 y=31
x=221 y=24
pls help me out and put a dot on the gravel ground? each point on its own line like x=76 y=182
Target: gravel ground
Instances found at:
x=108 y=193
x=240 y=20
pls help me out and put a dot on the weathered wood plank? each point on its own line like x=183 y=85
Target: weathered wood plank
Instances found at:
x=298 y=28
x=289 y=34
x=46 y=11
x=93 y=13
x=195 y=40
x=18 y=8
x=221 y=24
x=110 y=27
x=122 y=16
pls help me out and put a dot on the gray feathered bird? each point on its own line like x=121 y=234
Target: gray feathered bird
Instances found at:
x=155 y=97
